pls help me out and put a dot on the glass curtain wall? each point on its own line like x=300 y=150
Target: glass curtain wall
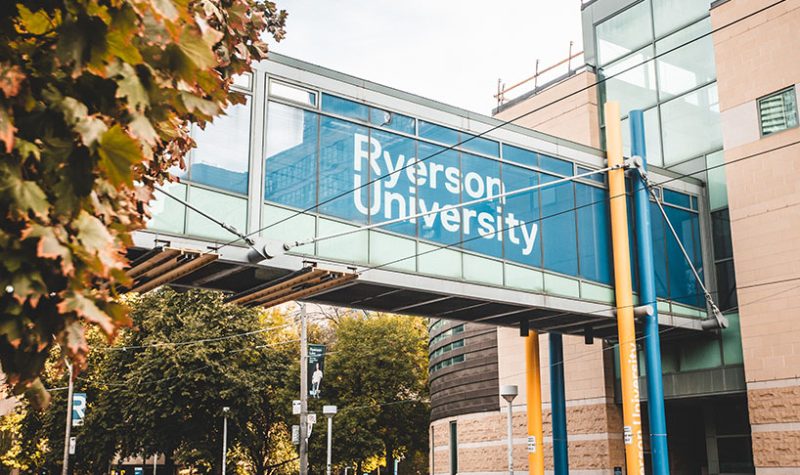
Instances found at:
x=215 y=179
x=657 y=56
x=340 y=164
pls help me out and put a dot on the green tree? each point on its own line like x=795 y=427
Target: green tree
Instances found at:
x=96 y=98
x=162 y=385
x=377 y=373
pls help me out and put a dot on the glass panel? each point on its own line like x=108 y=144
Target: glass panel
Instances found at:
x=685 y=67
x=676 y=198
x=290 y=175
x=518 y=155
x=221 y=158
x=437 y=133
x=721 y=233
x=292 y=93
x=167 y=214
x=436 y=260
x=522 y=243
x=522 y=278
x=726 y=286
x=634 y=88
x=700 y=353
x=442 y=187
x=392 y=252
x=392 y=120
x=652 y=137
x=597 y=177
x=345 y=153
x=244 y=81
x=393 y=195
x=482 y=223
x=683 y=286
x=659 y=251
x=559 y=236
x=344 y=107
x=555 y=165
x=669 y=15
x=348 y=248
x=286 y=225
x=593 y=233
x=691 y=125
x=477 y=144
x=481 y=269
x=624 y=32
x=732 y=341
x=230 y=209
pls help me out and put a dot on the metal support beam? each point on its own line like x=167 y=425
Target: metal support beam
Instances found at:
x=558 y=405
x=533 y=402
x=623 y=290
x=647 y=289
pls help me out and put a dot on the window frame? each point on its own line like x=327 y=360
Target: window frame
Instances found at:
x=793 y=90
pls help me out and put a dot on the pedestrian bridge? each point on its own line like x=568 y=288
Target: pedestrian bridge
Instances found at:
x=315 y=153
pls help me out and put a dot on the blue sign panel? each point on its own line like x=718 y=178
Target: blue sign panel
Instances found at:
x=367 y=165
x=78 y=409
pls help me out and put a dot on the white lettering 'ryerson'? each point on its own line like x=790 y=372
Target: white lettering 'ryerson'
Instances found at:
x=428 y=177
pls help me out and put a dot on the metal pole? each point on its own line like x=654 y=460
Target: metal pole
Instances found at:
x=155 y=460
x=510 y=439
x=224 y=440
x=533 y=380
x=303 y=390
x=647 y=286
x=558 y=404
x=68 y=426
x=330 y=442
x=629 y=366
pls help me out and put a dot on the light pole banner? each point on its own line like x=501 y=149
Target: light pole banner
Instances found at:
x=78 y=409
x=316 y=366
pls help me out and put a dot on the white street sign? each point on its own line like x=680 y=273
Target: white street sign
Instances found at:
x=296 y=408
x=72 y=444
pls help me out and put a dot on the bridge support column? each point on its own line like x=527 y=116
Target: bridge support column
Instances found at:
x=647 y=293
x=558 y=405
x=533 y=381
x=628 y=364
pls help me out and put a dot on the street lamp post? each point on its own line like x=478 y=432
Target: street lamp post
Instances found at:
x=509 y=393
x=225 y=411
x=329 y=411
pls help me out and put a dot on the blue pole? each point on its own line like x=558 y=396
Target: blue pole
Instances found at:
x=558 y=405
x=647 y=294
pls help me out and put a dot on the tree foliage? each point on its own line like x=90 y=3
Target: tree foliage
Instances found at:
x=162 y=386
x=377 y=375
x=95 y=101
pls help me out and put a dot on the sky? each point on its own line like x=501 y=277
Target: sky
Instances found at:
x=452 y=51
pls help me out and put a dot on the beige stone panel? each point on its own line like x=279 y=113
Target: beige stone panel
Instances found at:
x=777 y=449
x=758 y=55
x=764 y=198
x=586 y=374
x=566 y=110
x=774 y=405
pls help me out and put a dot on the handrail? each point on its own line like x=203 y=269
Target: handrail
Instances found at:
x=539 y=73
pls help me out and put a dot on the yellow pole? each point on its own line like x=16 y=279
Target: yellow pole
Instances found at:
x=628 y=364
x=533 y=383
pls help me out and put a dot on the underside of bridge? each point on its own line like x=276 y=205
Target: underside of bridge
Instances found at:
x=156 y=262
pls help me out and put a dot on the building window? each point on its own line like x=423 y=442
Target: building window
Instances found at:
x=447 y=348
x=723 y=260
x=778 y=111
x=446 y=363
x=447 y=333
x=453 y=447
